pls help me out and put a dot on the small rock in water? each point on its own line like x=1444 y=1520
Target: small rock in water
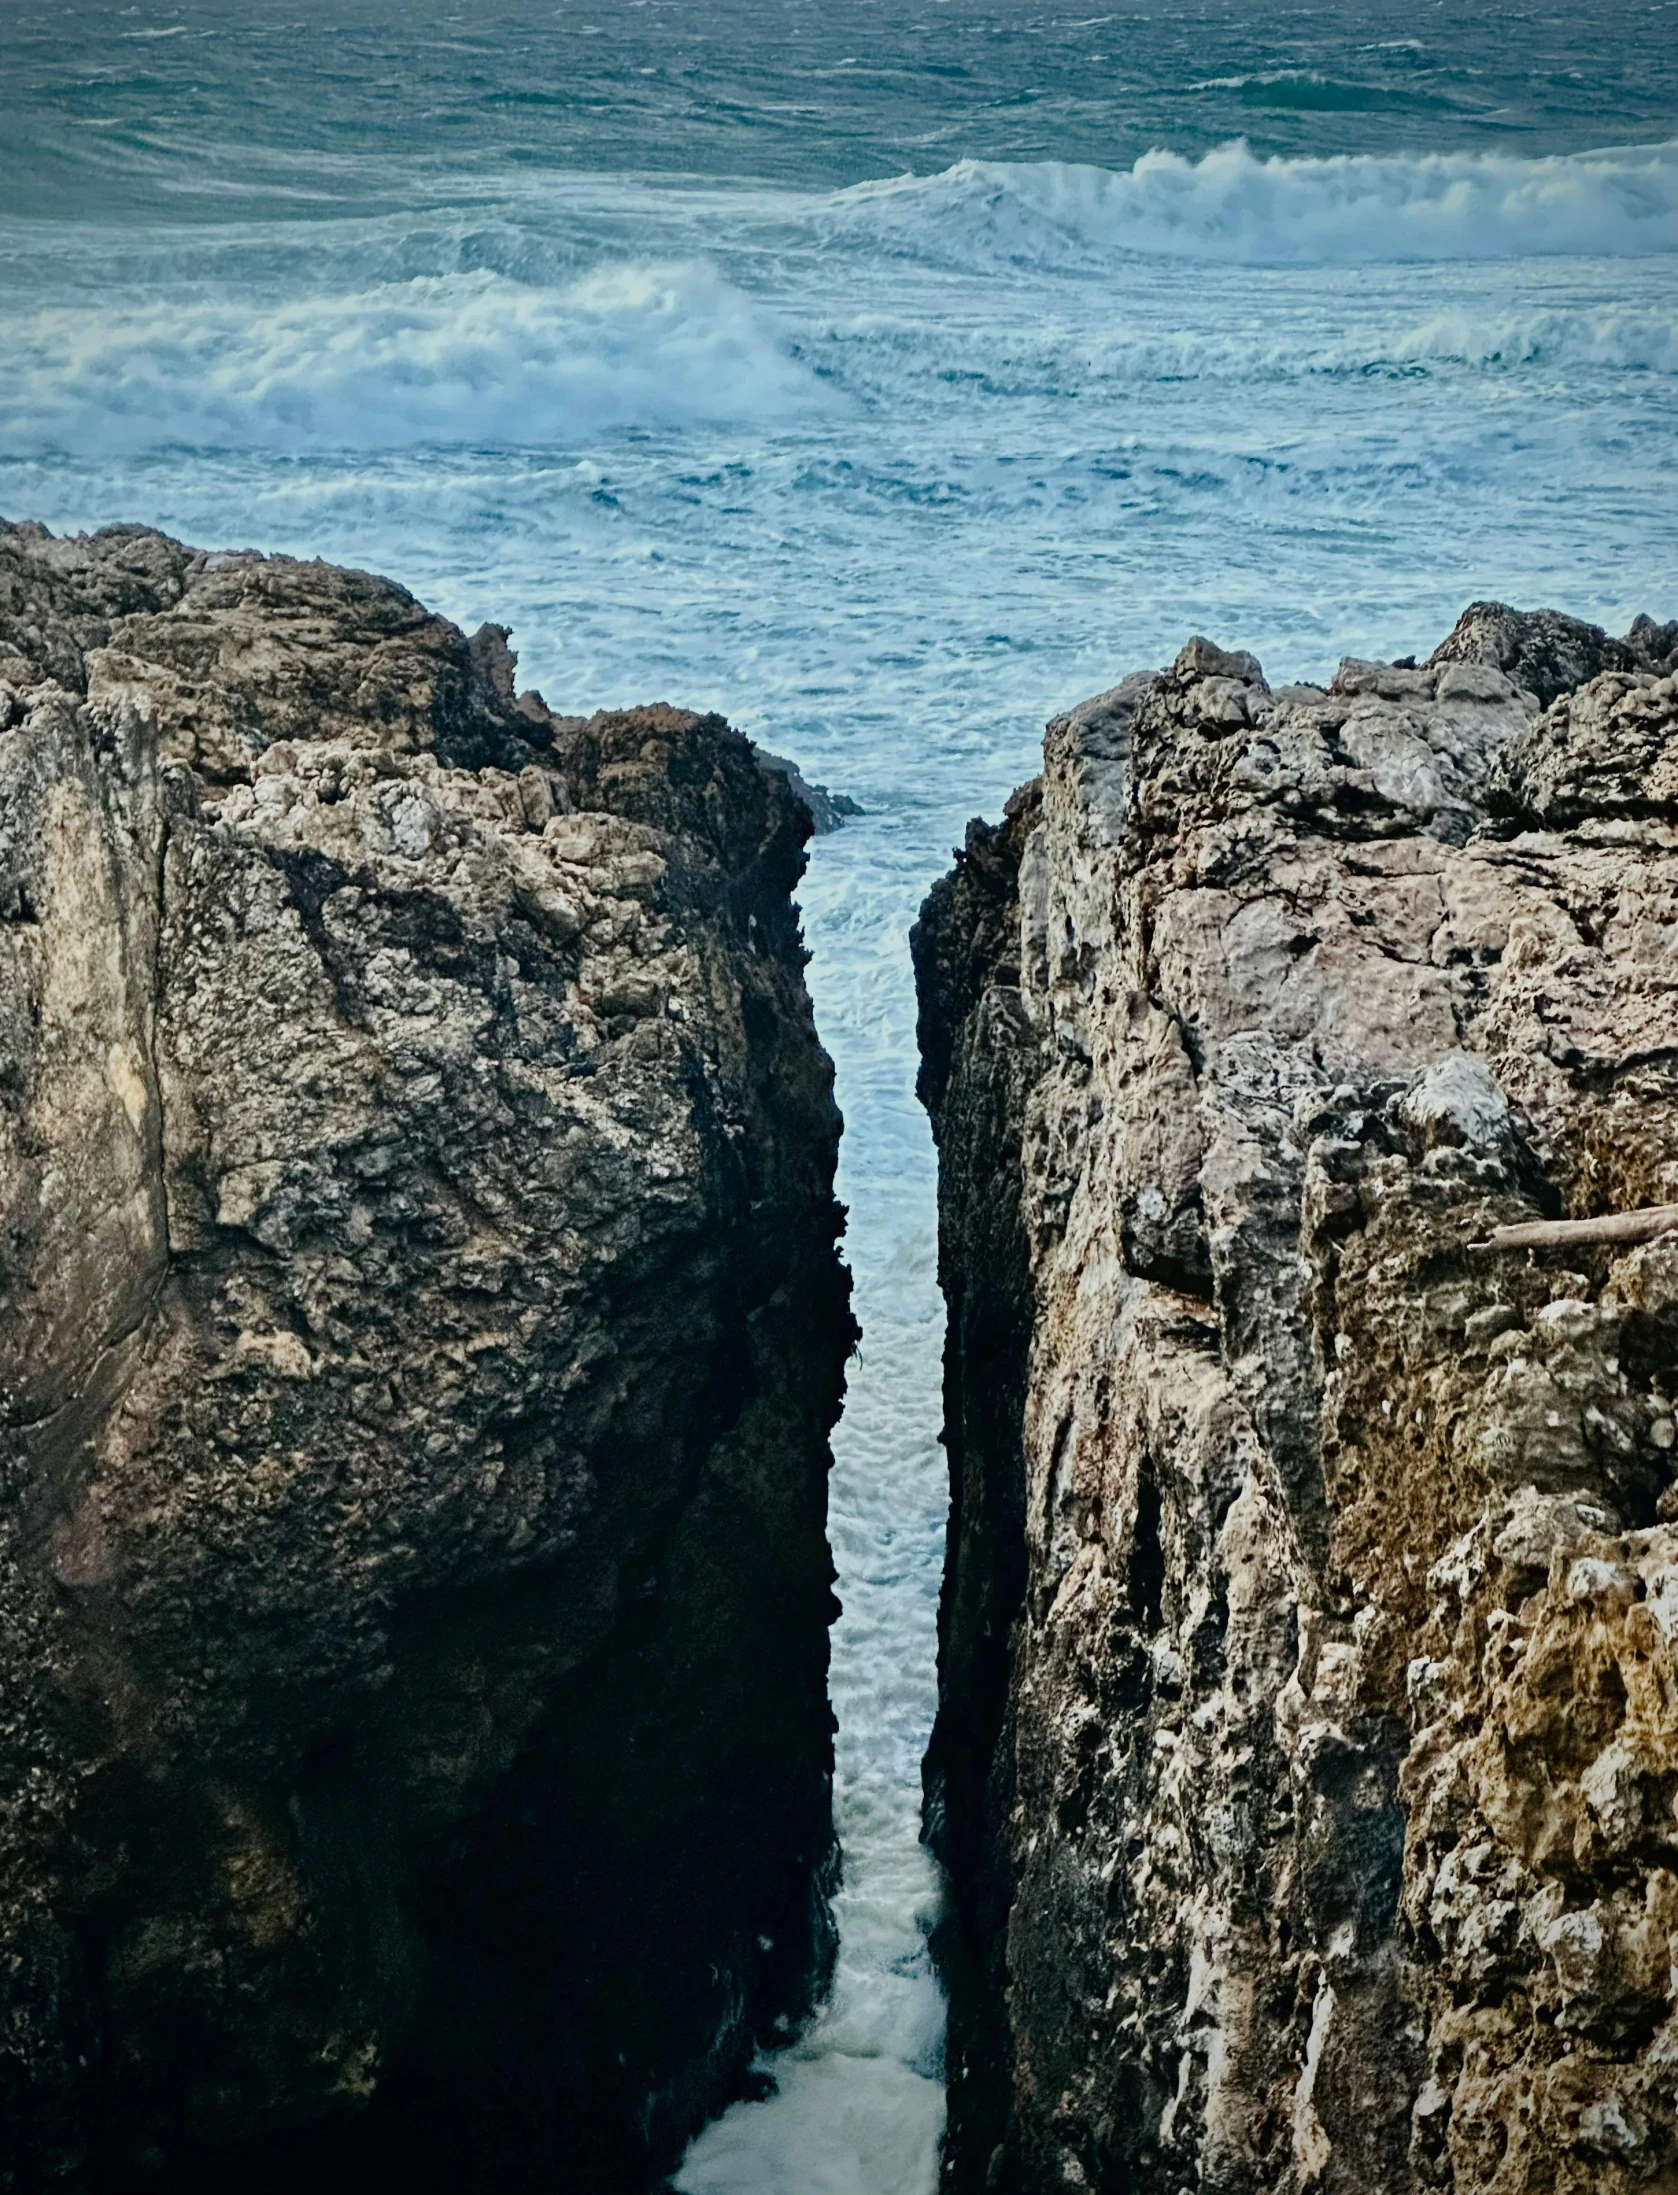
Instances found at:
x=827 y=810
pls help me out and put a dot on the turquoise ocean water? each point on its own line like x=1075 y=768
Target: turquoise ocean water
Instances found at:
x=887 y=376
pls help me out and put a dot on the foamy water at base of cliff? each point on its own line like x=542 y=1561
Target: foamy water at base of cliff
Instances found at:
x=885 y=469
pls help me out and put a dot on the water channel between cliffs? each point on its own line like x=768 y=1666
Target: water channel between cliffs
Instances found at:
x=859 y=2105
x=884 y=474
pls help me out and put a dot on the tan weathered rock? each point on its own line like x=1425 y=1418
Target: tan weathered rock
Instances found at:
x=420 y=1326
x=1305 y=1757
x=1551 y=654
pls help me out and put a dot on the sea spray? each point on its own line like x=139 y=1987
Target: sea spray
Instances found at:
x=1233 y=206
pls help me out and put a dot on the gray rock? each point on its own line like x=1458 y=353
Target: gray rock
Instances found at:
x=1457 y=1102
x=420 y=1326
x=1603 y=752
x=1550 y=654
x=1306 y=1667
x=827 y=811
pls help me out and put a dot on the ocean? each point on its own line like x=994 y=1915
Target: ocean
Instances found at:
x=887 y=374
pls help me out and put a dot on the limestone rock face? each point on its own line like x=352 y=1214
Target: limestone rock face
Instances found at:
x=420 y=1327
x=1309 y=1657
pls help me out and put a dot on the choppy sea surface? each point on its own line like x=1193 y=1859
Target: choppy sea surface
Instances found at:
x=886 y=376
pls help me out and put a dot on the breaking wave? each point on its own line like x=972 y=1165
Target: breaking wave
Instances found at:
x=1051 y=362
x=1611 y=339
x=470 y=358
x=1232 y=206
x=1616 y=339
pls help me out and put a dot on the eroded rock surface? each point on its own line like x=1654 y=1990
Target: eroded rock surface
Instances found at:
x=1308 y=1739
x=1548 y=653
x=420 y=1327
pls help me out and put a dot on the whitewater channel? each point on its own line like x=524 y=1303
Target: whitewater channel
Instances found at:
x=859 y=2102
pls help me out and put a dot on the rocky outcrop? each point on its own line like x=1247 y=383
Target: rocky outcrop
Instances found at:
x=420 y=1327
x=1308 y=1737
x=828 y=811
x=1548 y=653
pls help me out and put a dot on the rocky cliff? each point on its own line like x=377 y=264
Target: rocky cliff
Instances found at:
x=420 y=1327
x=1307 y=1755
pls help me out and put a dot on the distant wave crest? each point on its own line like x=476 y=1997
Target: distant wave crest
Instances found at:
x=470 y=358
x=1233 y=206
x=1309 y=91
x=1617 y=339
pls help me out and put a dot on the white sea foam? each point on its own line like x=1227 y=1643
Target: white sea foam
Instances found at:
x=470 y=357
x=1605 y=338
x=556 y=353
x=1614 y=338
x=1233 y=206
x=1079 y=363
x=859 y=2101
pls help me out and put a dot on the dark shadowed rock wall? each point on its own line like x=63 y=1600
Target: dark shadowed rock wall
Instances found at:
x=420 y=1328
x=1308 y=1741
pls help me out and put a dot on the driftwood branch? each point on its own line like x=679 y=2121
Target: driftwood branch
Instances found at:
x=1554 y=1234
